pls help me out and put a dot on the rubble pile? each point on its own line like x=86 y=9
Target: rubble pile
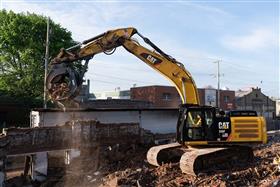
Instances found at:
x=122 y=164
x=131 y=169
x=125 y=165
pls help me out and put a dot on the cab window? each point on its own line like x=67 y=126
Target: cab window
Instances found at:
x=194 y=118
x=208 y=118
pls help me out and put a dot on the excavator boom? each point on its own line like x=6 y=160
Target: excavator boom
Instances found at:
x=63 y=82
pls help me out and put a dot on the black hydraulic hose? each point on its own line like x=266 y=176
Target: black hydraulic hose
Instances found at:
x=148 y=41
x=85 y=42
x=93 y=38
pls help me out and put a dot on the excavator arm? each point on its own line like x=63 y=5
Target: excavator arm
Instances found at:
x=63 y=82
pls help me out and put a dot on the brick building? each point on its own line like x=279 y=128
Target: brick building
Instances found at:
x=160 y=96
x=168 y=97
x=208 y=96
x=254 y=99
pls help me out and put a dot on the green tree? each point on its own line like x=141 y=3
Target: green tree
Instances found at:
x=22 y=50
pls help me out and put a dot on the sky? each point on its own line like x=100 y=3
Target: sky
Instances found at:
x=242 y=35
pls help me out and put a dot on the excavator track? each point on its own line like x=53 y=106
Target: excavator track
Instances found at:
x=165 y=154
x=194 y=160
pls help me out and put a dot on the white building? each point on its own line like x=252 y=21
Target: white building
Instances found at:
x=116 y=94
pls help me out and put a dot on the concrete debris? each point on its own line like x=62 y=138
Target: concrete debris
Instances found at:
x=132 y=170
x=124 y=165
x=275 y=183
x=73 y=134
x=276 y=161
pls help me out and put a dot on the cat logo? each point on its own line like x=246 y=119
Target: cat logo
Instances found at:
x=151 y=59
x=223 y=125
x=154 y=60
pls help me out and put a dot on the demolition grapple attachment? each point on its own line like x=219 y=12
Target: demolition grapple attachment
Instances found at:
x=63 y=82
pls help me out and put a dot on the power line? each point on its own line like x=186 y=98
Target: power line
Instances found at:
x=107 y=82
x=247 y=81
x=128 y=80
x=148 y=70
x=233 y=66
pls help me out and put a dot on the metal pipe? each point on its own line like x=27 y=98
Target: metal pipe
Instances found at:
x=184 y=92
x=85 y=42
x=74 y=47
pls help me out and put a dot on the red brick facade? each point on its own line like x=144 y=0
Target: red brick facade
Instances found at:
x=160 y=96
x=168 y=97
x=227 y=100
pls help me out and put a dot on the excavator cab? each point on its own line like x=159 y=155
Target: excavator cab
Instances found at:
x=201 y=124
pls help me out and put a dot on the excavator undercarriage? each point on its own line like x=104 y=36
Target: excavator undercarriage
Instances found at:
x=195 y=160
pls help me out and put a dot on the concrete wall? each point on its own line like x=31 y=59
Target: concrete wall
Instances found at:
x=155 y=120
x=273 y=124
x=159 y=121
x=116 y=103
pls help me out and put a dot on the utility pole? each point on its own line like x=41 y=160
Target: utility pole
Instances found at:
x=218 y=82
x=46 y=62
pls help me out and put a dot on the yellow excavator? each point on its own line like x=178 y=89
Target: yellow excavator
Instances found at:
x=205 y=138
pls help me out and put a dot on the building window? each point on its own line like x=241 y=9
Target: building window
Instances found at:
x=166 y=96
x=226 y=99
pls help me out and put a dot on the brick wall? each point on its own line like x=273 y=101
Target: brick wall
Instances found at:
x=201 y=93
x=227 y=100
x=160 y=96
x=168 y=97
